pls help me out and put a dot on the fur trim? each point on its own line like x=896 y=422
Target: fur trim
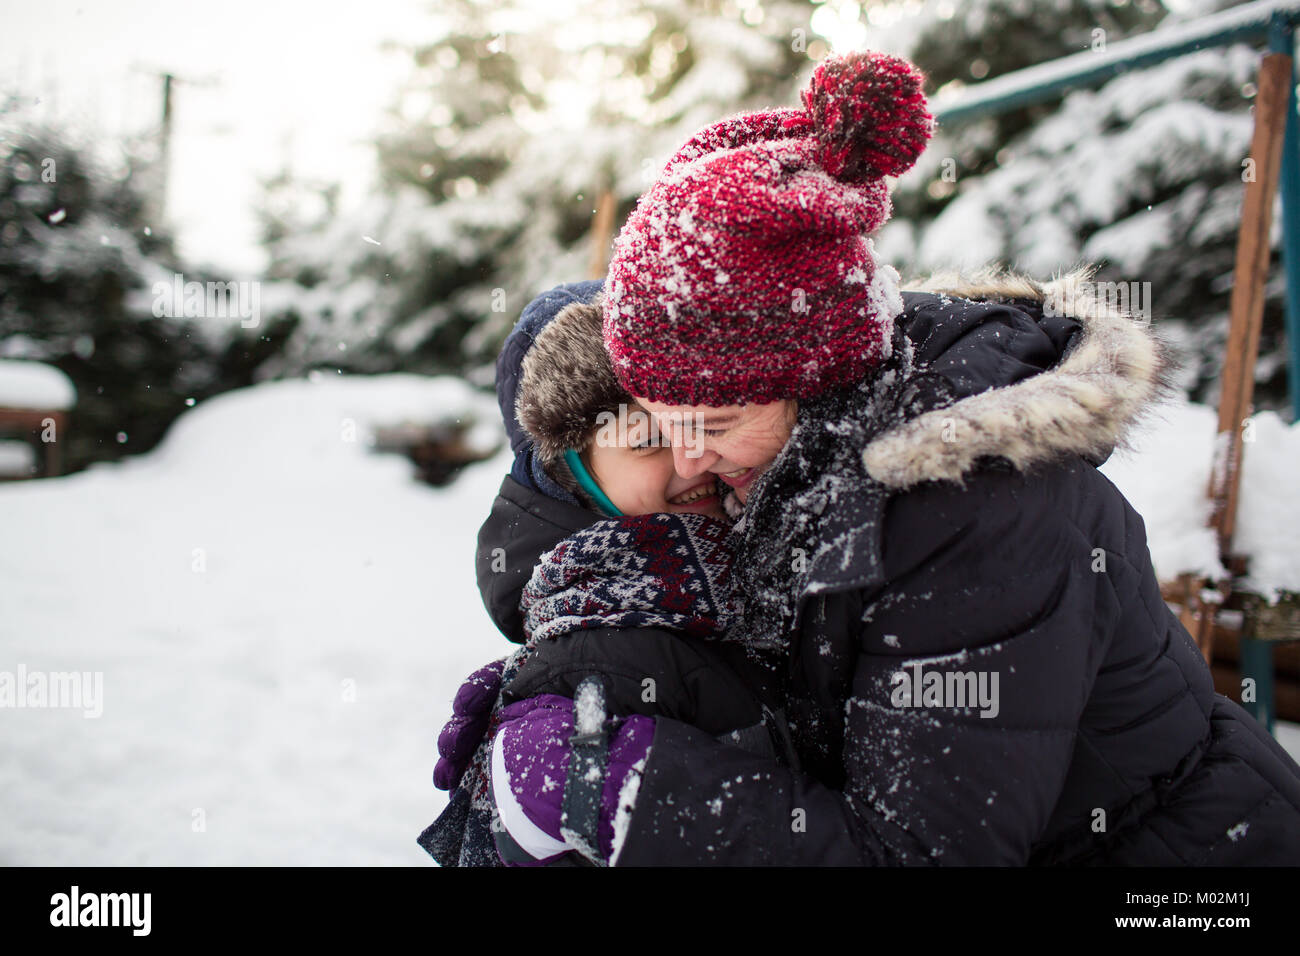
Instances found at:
x=1086 y=405
x=567 y=380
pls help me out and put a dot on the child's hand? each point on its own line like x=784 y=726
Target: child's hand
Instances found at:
x=532 y=770
x=471 y=711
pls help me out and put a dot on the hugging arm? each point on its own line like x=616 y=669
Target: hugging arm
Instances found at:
x=649 y=671
x=982 y=591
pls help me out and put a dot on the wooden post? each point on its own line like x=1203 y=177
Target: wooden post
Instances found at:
x=1195 y=615
x=1247 y=304
x=602 y=234
x=1246 y=312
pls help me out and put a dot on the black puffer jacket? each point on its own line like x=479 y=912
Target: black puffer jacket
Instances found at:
x=967 y=534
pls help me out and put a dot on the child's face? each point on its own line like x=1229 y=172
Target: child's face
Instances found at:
x=639 y=477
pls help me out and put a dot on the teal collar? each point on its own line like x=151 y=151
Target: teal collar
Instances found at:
x=588 y=484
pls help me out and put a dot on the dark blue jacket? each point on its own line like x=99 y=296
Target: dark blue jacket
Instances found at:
x=970 y=533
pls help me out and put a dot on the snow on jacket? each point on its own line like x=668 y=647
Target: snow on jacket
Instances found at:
x=947 y=522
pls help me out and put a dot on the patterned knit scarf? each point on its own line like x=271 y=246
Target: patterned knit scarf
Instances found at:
x=659 y=571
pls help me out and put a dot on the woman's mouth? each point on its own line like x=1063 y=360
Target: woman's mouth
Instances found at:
x=739 y=479
x=703 y=494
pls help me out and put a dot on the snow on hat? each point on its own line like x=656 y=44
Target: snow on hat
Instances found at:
x=745 y=273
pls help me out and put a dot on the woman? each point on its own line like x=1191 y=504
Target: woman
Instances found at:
x=980 y=669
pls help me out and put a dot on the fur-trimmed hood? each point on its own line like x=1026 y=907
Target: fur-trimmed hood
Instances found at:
x=1115 y=370
x=567 y=381
x=528 y=469
x=984 y=366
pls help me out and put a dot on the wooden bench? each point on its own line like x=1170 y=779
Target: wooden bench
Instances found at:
x=1212 y=609
x=30 y=424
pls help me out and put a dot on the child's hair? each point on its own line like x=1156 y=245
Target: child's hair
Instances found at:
x=566 y=381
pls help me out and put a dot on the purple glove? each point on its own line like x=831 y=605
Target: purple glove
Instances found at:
x=471 y=712
x=530 y=765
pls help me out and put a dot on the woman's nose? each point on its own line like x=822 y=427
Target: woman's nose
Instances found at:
x=687 y=464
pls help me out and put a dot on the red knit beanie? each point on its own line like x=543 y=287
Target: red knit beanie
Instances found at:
x=745 y=273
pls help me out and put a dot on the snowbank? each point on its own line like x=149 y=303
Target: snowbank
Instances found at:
x=17 y=458
x=281 y=619
x=1165 y=476
x=33 y=385
x=316 y=430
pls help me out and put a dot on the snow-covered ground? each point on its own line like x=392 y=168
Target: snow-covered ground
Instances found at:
x=281 y=618
x=33 y=385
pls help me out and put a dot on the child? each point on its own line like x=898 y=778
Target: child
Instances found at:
x=639 y=598
x=590 y=434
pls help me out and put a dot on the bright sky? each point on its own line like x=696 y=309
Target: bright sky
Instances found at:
x=270 y=80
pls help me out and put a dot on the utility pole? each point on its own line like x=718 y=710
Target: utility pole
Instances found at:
x=164 y=149
x=161 y=172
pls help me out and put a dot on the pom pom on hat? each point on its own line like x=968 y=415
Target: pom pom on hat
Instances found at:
x=869 y=114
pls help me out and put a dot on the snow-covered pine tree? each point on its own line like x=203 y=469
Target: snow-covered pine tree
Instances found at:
x=514 y=119
x=79 y=254
x=1144 y=174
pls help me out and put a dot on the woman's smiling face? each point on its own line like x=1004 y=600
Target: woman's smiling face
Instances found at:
x=736 y=443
